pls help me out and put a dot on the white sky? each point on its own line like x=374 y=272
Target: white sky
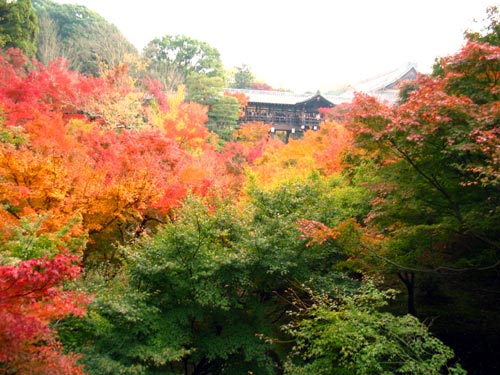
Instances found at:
x=305 y=44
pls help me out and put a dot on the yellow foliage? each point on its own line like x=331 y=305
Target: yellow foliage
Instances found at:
x=319 y=151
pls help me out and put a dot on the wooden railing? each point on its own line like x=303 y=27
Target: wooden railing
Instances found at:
x=308 y=119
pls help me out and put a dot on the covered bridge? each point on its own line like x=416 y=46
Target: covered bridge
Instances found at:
x=285 y=111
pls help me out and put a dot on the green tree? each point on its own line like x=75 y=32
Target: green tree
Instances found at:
x=435 y=173
x=350 y=335
x=243 y=78
x=80 y=35
x=282 y=256
x=223 y=111
x=491 y=33
x=182 y=55
x=18 y=26
x=184 y=304
x=27 y=240
x=197 y=296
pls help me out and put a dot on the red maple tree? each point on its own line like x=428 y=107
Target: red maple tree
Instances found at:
x=31 y=298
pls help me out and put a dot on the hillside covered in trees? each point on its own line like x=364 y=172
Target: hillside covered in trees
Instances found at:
x=143 y=231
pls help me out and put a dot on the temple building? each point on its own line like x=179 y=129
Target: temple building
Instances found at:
x=292 y=113
x=284 y=111
x=385 y=87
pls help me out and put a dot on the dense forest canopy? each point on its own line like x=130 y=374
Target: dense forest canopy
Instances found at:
x=18 y=26
x=83 y=37
x=144 y=231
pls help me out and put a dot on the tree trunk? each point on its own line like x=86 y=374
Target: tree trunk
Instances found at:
x=408 y=278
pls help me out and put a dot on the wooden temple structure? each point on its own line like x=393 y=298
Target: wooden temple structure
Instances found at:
x=284 y=111
x=295 y=113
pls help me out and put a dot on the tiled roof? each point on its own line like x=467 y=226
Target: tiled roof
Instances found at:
x=381 y=86
x=384 y=81
x=273 y=97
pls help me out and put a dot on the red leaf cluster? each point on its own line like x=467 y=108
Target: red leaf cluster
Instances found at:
x=31 y=297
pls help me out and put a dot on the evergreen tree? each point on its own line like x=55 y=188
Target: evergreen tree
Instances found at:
x=18 y=26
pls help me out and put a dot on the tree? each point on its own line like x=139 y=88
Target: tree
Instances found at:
x=31 y=298
x=89 y=43
x=243 y=78
x=350 y=335
x=445 y=141
x=184 y=122
x=28 y=239
x=183 y=305
x=262 y=86
x=49 y=46
x=94 y=148
x=181 y=55
x=282 y=256
x=170 y=76
x=197 y=296
x=435 y=169
x=18 y=26
x=320 y=151
x=242 y=101
x=223 y=110
x=491 y=33
x=441 y=139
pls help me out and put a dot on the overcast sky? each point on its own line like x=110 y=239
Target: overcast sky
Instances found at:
x=305 y=45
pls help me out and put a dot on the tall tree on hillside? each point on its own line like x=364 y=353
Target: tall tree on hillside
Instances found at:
x=81 y=36
x=180 y=55
x=18 y=26
x=48 y=42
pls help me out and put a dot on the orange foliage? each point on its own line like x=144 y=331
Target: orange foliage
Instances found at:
x=319 y=151
x=242 y=100
x=93 y=147
x=331 y=141
x=252 y=133
x=185 y=123
x=316 y=232
x=262 y=86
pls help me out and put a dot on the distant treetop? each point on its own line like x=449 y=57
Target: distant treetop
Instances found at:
x=80 y=35
x=18 y=26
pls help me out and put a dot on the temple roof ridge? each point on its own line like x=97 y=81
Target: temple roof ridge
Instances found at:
x=385 y=80
x=272 y=96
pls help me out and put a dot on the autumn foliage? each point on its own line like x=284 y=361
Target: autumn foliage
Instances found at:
x=83 y=156
x=95 y=147
x=456 y=115
x=31 y=298
x=92 y=166
x=319 y=151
